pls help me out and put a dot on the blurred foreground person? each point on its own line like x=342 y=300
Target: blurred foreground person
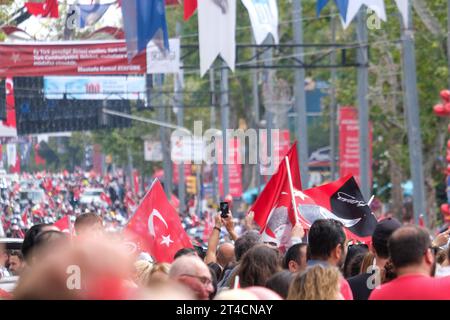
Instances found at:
x=194 y=274
x=317 y=283
x=414 y=262
x=3 y=261
x=88 y=223
x=30 y=239
x=89 y=268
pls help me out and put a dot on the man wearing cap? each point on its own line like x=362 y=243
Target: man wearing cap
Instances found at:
x=361 y=284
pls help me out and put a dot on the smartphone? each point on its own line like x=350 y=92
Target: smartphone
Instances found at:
x=224 y=209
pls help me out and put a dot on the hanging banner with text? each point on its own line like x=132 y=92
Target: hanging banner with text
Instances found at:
x=349 y=144
x=68 y=58
x=234 y=162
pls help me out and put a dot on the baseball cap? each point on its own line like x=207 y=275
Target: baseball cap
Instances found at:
x=383 y=230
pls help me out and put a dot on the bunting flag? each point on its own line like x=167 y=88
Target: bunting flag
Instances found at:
x=49 y=8
x=217 y=30
x=342 y=6
x=144 y=20
x=189 y=8
x=355 y=5
x=90 y=14
x=403 y=7
x=264 y=19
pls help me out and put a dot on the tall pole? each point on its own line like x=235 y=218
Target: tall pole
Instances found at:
x=180 y=122
x=164 y=141
x=268 y=104
x=300 y=97
x=224 y=115
x=333 y=105
x=411 y=107
x=212 y=89
x=256 y=115
x=448 y=39
x=363 y=105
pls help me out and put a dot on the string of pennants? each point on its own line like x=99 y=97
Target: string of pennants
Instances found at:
x=145 y=20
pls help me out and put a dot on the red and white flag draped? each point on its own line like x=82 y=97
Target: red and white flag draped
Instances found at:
x=156 y=227
x=273 y=210
x=340 y=200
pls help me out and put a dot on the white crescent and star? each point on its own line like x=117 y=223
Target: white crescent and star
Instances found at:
x=151 y=227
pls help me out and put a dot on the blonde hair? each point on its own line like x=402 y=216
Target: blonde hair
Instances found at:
x=317 y=283
x=160 y=267
x=143 y=270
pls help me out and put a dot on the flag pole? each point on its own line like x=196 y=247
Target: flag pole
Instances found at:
x=291 y=188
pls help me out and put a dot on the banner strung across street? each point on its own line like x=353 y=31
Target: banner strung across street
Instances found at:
x=95 y=88
x=349 y=144
x=68 y=58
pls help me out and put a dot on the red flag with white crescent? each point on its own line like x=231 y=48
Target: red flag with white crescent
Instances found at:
x=156 y=227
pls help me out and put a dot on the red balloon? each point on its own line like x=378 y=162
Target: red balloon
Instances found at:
x=445 y=95
x=439 y=110
x=445 y=209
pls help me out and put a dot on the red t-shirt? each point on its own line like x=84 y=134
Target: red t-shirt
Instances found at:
x=414 y=287
x=346 y=291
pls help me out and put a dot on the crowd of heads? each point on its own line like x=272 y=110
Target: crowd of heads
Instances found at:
x=95 y=262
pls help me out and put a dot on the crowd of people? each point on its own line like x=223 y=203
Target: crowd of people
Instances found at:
x=402 y=261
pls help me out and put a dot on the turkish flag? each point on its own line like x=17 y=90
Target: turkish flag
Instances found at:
x=25 y=218
x=64 y=224
x=208 y=228
x=340 y=200
x=189 y=8
x=273 y=210
x=276 y=186
x=105 y=198
x=10 y=104
x=49 y=8
x=156 y=227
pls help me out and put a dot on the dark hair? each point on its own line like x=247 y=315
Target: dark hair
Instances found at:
x=47 y=239
x=217 y=269
x=16 y=253
x=354 y=259
x=30 y=238
x=293 y=254
x=248 y=240
x=280 y=282
x=324 y=236
x=258 y=265
x=353 y=268
x=408 y=245
x=184 y=252
x=214 y=282
x=86 y=219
